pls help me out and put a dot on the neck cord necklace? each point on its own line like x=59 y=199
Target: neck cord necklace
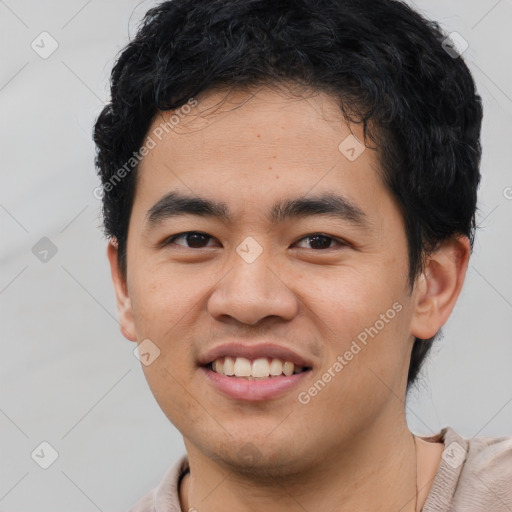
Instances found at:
x=416 y=477
x=416 y=466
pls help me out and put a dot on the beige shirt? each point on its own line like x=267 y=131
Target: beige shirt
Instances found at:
x=475 y=475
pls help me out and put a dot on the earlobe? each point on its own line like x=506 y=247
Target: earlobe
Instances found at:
x=438 y=287
x=124 y=305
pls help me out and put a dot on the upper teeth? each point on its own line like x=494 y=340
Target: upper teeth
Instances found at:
x=258 y=368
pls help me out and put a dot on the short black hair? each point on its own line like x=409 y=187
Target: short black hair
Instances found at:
x=385 y=64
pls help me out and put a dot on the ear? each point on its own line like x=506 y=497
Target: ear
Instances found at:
x=124 y=304
x=437 y=289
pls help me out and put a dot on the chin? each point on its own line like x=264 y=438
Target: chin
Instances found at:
x=264 y=464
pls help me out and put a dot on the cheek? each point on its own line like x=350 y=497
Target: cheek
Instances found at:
x=174 y=393
x=362 y=318
x=164 y=313
x=347 y=299
x=163 y=298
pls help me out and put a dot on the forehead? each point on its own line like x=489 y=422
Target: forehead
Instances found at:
x=246 y=127
x=268 y=116
x=244 y=147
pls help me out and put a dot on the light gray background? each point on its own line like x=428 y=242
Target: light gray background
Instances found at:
x=69 y=377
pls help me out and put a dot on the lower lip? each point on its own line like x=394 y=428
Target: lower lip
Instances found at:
x=253 y=390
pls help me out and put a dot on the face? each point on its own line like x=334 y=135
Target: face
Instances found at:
x=320 y=281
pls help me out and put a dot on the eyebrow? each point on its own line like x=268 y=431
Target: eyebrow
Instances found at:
x=175 y=204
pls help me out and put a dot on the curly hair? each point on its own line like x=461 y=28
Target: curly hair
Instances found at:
x=384 y=63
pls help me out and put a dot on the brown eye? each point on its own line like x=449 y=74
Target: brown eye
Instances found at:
x=193 y=239
x=319 y=241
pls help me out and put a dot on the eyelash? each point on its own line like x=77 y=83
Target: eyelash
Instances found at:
x=172 y=239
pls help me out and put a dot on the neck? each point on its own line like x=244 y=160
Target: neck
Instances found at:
x=375 y=470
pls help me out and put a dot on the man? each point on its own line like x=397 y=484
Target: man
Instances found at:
x=290 y=193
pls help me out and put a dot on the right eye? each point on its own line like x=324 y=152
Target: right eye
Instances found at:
x=195 y=239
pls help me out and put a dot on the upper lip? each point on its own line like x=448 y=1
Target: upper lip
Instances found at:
x=254 y=351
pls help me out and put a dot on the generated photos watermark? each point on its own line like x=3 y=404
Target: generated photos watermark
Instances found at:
x=149 y=144
x=305 y=397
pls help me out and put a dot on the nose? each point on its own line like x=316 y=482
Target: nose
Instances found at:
x=249 y=292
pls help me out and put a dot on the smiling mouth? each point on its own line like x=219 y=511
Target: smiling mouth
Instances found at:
x=261 y=368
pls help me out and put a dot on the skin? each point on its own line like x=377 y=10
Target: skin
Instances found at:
x=350 y=447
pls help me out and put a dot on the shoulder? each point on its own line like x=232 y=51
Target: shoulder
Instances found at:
x=166 y=495
x=145 y=504
x=486 y=453
x=485 y=479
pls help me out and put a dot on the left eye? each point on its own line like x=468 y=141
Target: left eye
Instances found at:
x=197 y=240
x=322 y=241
